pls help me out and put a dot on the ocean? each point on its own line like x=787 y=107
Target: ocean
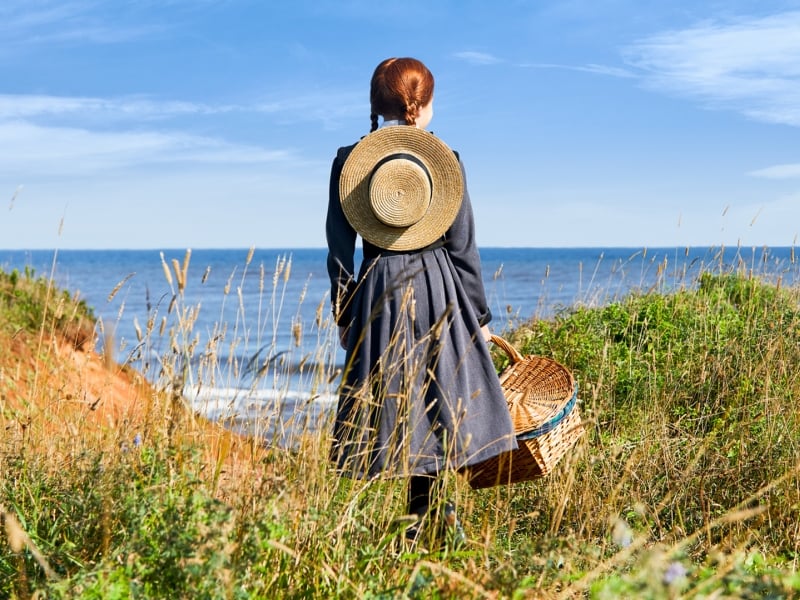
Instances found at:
x=249 y=332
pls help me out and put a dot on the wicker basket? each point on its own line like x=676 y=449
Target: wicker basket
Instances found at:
x=542 y=396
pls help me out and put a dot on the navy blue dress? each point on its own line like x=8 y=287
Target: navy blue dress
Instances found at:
x=419 y=392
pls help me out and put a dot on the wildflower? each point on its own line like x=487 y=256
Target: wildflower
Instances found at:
x=137 y=440
x=674 y=573
x=622 y=534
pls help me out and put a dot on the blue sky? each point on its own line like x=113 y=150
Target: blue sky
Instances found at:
x=213 y=123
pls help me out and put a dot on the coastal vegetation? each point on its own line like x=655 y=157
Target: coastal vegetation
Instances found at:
x=686 y=483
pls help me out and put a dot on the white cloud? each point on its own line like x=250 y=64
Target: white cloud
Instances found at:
x=47 y=21
x=29 y=106
x=788 y=171
x=36 y=23
x=328 y=108
x=22 y=15
x=588 y=68
x=751 y=65
x=31 y=150
x=477 y=58
x=605 y=70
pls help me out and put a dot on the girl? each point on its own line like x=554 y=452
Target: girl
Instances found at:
x=419 y=393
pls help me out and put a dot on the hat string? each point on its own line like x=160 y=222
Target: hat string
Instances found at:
x=403 y=156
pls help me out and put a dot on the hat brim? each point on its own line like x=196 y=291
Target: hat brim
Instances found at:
x=447 y=187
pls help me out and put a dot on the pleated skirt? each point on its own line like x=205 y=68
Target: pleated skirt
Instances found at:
x=419 y=392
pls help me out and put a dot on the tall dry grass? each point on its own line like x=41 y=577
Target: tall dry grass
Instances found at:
x=686 y=484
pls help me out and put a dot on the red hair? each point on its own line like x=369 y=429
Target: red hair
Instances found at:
x=399 y=88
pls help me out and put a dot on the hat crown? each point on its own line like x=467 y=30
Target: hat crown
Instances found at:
x=400 y=191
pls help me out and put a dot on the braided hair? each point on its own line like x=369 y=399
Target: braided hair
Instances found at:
x=400 y=87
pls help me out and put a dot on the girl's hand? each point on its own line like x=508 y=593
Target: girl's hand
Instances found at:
x=487 y=335
x=343 y=333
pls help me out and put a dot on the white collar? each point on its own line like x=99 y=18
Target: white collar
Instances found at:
x=393 y=122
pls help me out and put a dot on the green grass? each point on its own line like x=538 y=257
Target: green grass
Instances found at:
x=32 y=303
x=686 y=484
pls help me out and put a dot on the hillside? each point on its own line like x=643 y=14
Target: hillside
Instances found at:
x=56 y=386
x=685 y=485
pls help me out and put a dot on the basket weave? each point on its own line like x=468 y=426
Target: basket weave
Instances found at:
x=541 y=395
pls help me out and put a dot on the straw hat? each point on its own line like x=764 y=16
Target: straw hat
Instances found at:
x=401 y=188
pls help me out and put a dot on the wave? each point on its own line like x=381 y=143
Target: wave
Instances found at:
x=277 y=416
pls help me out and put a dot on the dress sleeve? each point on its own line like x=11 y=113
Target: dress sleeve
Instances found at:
x=341 y=239
x=460 y=243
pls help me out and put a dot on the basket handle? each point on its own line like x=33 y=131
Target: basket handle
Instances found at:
x=512 y=352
